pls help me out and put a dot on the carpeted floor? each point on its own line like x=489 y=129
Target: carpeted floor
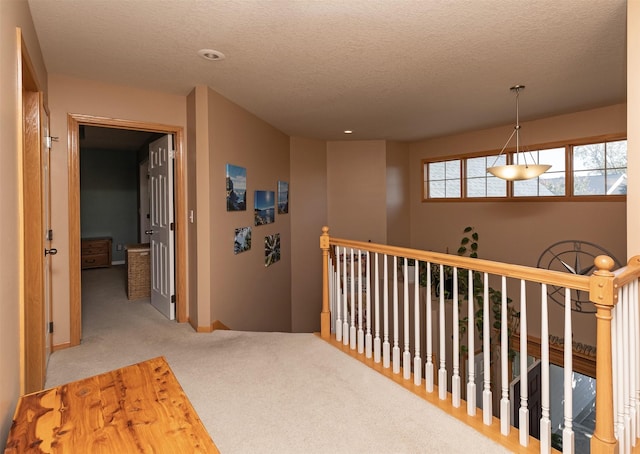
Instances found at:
x=261 y=392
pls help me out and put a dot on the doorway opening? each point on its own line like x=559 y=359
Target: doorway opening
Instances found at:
x=114 y=203
x=75 y=123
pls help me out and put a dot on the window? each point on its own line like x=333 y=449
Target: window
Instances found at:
x=600 y=168
x=483 y=184
x=444 y=179
x=591 y=167
x=551 y=183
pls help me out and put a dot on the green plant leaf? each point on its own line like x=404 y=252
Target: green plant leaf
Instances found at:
x=462 y=250
x=474 y=235
x=464 y=240
x=474 y=246
x=468 y=229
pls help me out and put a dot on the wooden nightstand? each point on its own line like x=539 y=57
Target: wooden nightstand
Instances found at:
x=95 y=252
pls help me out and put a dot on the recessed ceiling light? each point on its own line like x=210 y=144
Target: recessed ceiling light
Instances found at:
x=210 y=54
x=348 y=131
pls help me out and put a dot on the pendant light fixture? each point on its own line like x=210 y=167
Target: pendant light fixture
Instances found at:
x=517 y=171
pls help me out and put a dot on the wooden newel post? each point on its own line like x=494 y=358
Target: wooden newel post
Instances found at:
x=603 y=294
x=325 y=315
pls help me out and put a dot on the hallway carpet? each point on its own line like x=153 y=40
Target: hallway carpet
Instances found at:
x=261 y=392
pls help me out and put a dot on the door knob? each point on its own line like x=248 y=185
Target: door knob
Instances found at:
x=52 y=251
x=148 y=232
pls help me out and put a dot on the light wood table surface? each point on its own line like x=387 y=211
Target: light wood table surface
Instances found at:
x=136 y=409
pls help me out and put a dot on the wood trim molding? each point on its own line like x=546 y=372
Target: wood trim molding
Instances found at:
x=217 y=324
x=62 y=346
x=582 y=363
x=75 y=292
x=73 y=123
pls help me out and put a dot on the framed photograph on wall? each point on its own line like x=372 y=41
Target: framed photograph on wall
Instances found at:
x=242 y=240
x=236 y=188
x=271 y=249
x=283 y=197
x=264 y=207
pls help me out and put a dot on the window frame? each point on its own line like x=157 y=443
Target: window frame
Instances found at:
x=510 y=153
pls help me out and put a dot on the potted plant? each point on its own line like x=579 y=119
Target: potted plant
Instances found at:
x=469 y=247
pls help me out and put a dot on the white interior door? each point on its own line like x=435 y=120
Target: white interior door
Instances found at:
x=144 y=198
x=161 y=238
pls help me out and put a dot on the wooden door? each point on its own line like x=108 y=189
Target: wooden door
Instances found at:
x=47 y=233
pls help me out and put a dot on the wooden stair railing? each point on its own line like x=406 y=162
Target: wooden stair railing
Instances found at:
x=603 y=287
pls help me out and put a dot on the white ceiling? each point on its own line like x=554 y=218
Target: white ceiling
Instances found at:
x=387 y=69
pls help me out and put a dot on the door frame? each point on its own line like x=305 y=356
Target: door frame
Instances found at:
x=74 y=121
x=32 y=310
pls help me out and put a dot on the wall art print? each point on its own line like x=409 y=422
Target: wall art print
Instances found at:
x=264 y=207
x=283 y=197
x=236 y=188
x=271 y=249
x=242 y=240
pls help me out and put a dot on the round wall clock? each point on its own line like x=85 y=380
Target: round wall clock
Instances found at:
x=576 y=257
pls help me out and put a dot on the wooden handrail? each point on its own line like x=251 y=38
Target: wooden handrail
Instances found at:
x=628 y=273
x=528 y=273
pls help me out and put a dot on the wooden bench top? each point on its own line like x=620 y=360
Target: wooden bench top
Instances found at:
x=136 y=409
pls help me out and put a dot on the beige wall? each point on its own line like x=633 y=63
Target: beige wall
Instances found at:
x=398 y=190
x=356 y=182
x=308 y=199
x=199 y=201
x=518 y=232
x=78 y=96
x=12 y=14
x=192 y=239
x=633 y=127
x=245 y=294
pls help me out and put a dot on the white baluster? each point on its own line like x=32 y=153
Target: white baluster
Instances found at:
x=368 y=340
x=619 y=376
x=376 y=341
x=442 y=371
x=386 y=347
x=341 y=266
x=524 y=376
x=352 y=330
x=406 y=355
x=568 y=444
x=360 y=315
x=396 y=329
x=455 y=379
x=487 y=402
x=471 y=354
x=428 y=367
x=335 y=293
x=417 y=360
x=331 y=294
x=505 y=407
x=545 y=421
x=616 y=376
x=625 y=366
x=636 y=368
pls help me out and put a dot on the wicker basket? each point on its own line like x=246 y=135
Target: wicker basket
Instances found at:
x=138 y=272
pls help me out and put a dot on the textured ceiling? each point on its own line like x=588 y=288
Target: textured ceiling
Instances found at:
x=387 y=69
